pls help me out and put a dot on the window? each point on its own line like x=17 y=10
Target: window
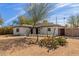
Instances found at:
x=49 y=29
x=17 y=29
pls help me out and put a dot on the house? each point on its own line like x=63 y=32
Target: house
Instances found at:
x=40 y=28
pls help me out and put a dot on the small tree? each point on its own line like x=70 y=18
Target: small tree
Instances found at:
x=77 y=17
x=38 y=12
x=14 y=22
x=29 y=21
x=72 y=21
x=1 y=21
x=54 y=28
x=21 y=20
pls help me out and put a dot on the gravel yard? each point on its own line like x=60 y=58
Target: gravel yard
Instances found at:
x=72 y=49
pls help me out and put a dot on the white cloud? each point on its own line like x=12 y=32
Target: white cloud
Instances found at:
x=58 y=6
x=72 y=11
x=13 y=18
x=75 y=5
x=68 y=12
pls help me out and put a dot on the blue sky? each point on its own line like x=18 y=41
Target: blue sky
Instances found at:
x=11 y=11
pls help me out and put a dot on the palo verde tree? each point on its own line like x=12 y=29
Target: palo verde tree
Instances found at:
x=38 y=12
x=73 y=21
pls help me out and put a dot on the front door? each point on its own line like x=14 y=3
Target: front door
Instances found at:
x=36 y=30
x=31 y=31
x=61 y=32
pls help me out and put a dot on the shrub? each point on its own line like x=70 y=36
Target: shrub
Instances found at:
x=49 y=42
x=52 y=42
x=61 y=40
x=6 y=30
x=41 y=43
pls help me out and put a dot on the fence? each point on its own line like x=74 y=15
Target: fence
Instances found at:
x=72 y=32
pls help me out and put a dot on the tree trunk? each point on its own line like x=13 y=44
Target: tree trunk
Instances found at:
x=37 y=38
x=54 y=32
x=36 y=34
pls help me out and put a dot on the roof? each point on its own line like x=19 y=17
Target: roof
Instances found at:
x=48 y=25
x=23 y=26
x=41 y=25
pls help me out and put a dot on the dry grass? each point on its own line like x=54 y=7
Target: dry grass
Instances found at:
x=10 y=47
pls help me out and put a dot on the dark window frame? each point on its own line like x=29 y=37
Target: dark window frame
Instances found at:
x=17 y=29
x=49 y=29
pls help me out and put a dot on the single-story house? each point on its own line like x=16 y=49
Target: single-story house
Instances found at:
x=39 y=28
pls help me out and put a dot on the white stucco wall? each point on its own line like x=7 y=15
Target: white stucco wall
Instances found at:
x=22 y=31
x=43 y=30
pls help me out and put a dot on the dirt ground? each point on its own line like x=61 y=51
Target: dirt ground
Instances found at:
x=72 y=49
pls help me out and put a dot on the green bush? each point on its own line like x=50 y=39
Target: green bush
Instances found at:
x=6 y=30
x=49 y=42
x=61 y=40
x=52 y=42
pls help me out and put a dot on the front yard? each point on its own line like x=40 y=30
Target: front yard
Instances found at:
x=71 y=49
